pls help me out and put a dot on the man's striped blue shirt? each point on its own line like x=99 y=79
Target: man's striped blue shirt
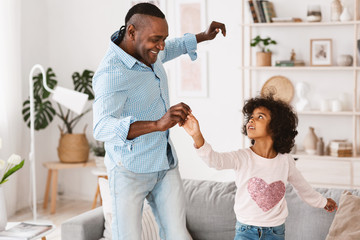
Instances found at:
x=126 y=90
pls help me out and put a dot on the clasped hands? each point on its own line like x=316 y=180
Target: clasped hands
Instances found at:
x=176 y=114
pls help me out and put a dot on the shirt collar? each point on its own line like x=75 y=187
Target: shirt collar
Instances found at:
x=126 y=58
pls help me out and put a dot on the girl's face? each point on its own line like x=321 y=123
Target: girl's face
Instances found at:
x=258 y=125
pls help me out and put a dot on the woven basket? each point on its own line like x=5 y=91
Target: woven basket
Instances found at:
x=73 y=148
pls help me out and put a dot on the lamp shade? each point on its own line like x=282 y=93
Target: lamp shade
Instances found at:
x=73 y=100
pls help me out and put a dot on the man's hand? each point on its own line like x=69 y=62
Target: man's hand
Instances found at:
x=330 y=205
x=176 y=114
x=211 y=32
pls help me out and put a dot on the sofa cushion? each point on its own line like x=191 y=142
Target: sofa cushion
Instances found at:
x=347 y=218
x=210 y=209
x=305 y=222
x=86 y=226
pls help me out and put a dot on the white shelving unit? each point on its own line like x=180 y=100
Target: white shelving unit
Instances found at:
x=343 y=172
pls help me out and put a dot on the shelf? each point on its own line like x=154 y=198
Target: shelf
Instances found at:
x=252 y=75
x=330 y=68
x=325 y=157
x=322 y=170
x=299 y=24
x=341 y=113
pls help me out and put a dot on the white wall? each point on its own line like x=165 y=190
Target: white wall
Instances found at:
x=10 y=89
x=34 y=49
x=218 y=114
x=72 y=36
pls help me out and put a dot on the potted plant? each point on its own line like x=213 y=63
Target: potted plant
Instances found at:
x=13 y=164
x=98 y=150
x=72 y=147
x=263 y=58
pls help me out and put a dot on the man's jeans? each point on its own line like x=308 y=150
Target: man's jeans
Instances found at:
x=248 y=232
x=165 y=194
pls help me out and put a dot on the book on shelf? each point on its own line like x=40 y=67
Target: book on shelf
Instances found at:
x=269 y=11
x=289 y=63
x=345 y=153
x=284 y=63
x=286 y=19
x=25 y=231
x=257 y=10
x=340 y=148
x=261 y=10
x=252 y=10
x=299 y=63
x=340 y=145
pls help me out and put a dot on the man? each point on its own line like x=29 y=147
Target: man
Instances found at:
x=132 y=116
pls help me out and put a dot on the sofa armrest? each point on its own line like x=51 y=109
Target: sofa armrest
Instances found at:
x=86 y=226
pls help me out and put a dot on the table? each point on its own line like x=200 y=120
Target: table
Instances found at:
x=41 y=236
x=52 y=179
x=100 y=173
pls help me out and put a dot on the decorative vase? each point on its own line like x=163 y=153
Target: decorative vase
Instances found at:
x=346 y=101
x=3 y=214
x=336 y=105
x=313 y=13
x=344 y=60
x=263 y=59
x=336 y=10
x=310 y=142
x=320 y=147
x=302 y=91
x=324 y=105
x=345 y=15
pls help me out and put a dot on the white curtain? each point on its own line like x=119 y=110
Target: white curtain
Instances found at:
x=11 y=124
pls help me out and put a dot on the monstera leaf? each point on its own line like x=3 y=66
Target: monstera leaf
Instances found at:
x=39 y=89
x=44 y=113
x=83 y=83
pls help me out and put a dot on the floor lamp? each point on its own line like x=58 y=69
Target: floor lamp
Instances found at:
x=70 y=99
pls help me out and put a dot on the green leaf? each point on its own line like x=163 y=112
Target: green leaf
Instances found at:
x=83 y=83
x=263 y=43
x=11 y=171
x=44 y=113
x=39 y=89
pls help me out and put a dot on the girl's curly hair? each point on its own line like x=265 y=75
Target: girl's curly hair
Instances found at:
x=282 y=125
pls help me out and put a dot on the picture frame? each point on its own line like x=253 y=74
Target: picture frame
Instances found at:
x=320 y=52
x=192 y=77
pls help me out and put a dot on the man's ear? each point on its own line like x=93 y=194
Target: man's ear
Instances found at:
x=131 y=31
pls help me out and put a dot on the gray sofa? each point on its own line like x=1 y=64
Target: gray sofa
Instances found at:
x=210 y=214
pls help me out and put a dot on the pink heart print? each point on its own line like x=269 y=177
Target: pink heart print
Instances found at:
x=266 y=195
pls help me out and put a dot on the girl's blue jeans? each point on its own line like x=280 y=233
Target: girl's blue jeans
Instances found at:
x=248 y=232
x=165 y=194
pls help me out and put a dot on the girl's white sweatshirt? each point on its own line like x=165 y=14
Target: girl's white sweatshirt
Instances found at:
x=260 y=196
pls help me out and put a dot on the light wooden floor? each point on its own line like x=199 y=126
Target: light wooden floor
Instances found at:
x=65 y=209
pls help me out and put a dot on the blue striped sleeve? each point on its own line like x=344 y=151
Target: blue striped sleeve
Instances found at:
x=109 y=124
x=178 y=46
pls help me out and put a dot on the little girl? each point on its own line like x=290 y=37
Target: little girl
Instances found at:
x=263 y=170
